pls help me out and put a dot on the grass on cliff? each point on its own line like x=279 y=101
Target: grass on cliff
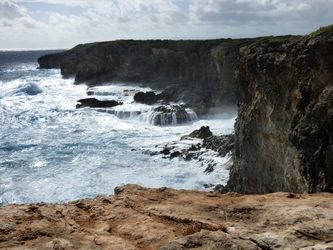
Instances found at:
x=323 y=31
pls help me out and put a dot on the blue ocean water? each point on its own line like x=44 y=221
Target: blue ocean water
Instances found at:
x=52 y=152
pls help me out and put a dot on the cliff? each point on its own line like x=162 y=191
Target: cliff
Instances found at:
x=140 y=218
x=197 y=72
x=284 y=129
x=283 y=88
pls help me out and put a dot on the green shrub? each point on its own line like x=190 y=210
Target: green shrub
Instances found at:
x=323 y=31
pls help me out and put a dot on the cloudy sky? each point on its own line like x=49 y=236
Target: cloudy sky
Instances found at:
x=65 y=23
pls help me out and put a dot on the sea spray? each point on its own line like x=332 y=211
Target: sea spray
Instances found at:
x=52 y=152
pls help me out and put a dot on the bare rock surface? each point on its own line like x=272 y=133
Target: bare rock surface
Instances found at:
x=141 y=218
x=284 y=129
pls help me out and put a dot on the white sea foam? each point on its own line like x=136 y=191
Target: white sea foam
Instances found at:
x=50 y=151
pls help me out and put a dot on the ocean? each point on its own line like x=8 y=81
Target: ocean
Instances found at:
x=50 y=151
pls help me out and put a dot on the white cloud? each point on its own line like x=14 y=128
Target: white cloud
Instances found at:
x=141 y=19
x=10 y=10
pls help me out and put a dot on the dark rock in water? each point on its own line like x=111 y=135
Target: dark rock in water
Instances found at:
x=166 y=97
x=201 y=133
x=210 y=168
x=171 y=115
x=146 y=98
x=188 y=156
x=208 y=185
x=165 y=151
x=194 y=147
x=90 y=92
x=151 y=97
x=175 y=154
x=222 y=144
x=95 y=103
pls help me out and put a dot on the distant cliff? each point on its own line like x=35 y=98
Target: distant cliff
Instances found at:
x=284 y=130
x=200 y=73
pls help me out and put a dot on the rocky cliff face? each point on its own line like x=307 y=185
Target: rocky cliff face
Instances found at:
x=284 y=131
x=284 y=89
x=197 y=72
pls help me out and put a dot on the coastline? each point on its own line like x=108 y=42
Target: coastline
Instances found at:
x=284 y=93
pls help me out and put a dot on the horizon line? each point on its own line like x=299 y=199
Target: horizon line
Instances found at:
x=30 y=49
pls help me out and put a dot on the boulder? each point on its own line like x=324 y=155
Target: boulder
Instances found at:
x=146 y=97
x=95 y=103
x=201 y=133
x=151 y=97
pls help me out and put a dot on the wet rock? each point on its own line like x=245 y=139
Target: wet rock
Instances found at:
x=90 y=92
x=210 y=168
x=151 y=97
x=194 y=147
x=201 y=133
x=165 y=151
x=175 y=154
x=208 y=185
x=222 y=144
x=146 y=97
x=95 y=103
x=172 y=115
x=188 y=155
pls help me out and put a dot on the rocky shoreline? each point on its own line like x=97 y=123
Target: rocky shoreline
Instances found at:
x=199 y=73
x=283 y=143
x=282 y=87
x=141 y=218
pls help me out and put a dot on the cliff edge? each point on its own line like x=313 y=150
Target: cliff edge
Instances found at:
x=284 y=129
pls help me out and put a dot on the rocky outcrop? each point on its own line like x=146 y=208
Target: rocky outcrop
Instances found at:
x=200 y=133
x=95 y=103
x=284 y=129
x=199 y=73
x=171 y=115
x=223 y=144
x=148 y=98
x=140 y=218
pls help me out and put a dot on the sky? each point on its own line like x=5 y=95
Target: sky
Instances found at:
x=65 y=23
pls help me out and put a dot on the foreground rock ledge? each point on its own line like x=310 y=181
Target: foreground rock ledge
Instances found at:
x=141 y=218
